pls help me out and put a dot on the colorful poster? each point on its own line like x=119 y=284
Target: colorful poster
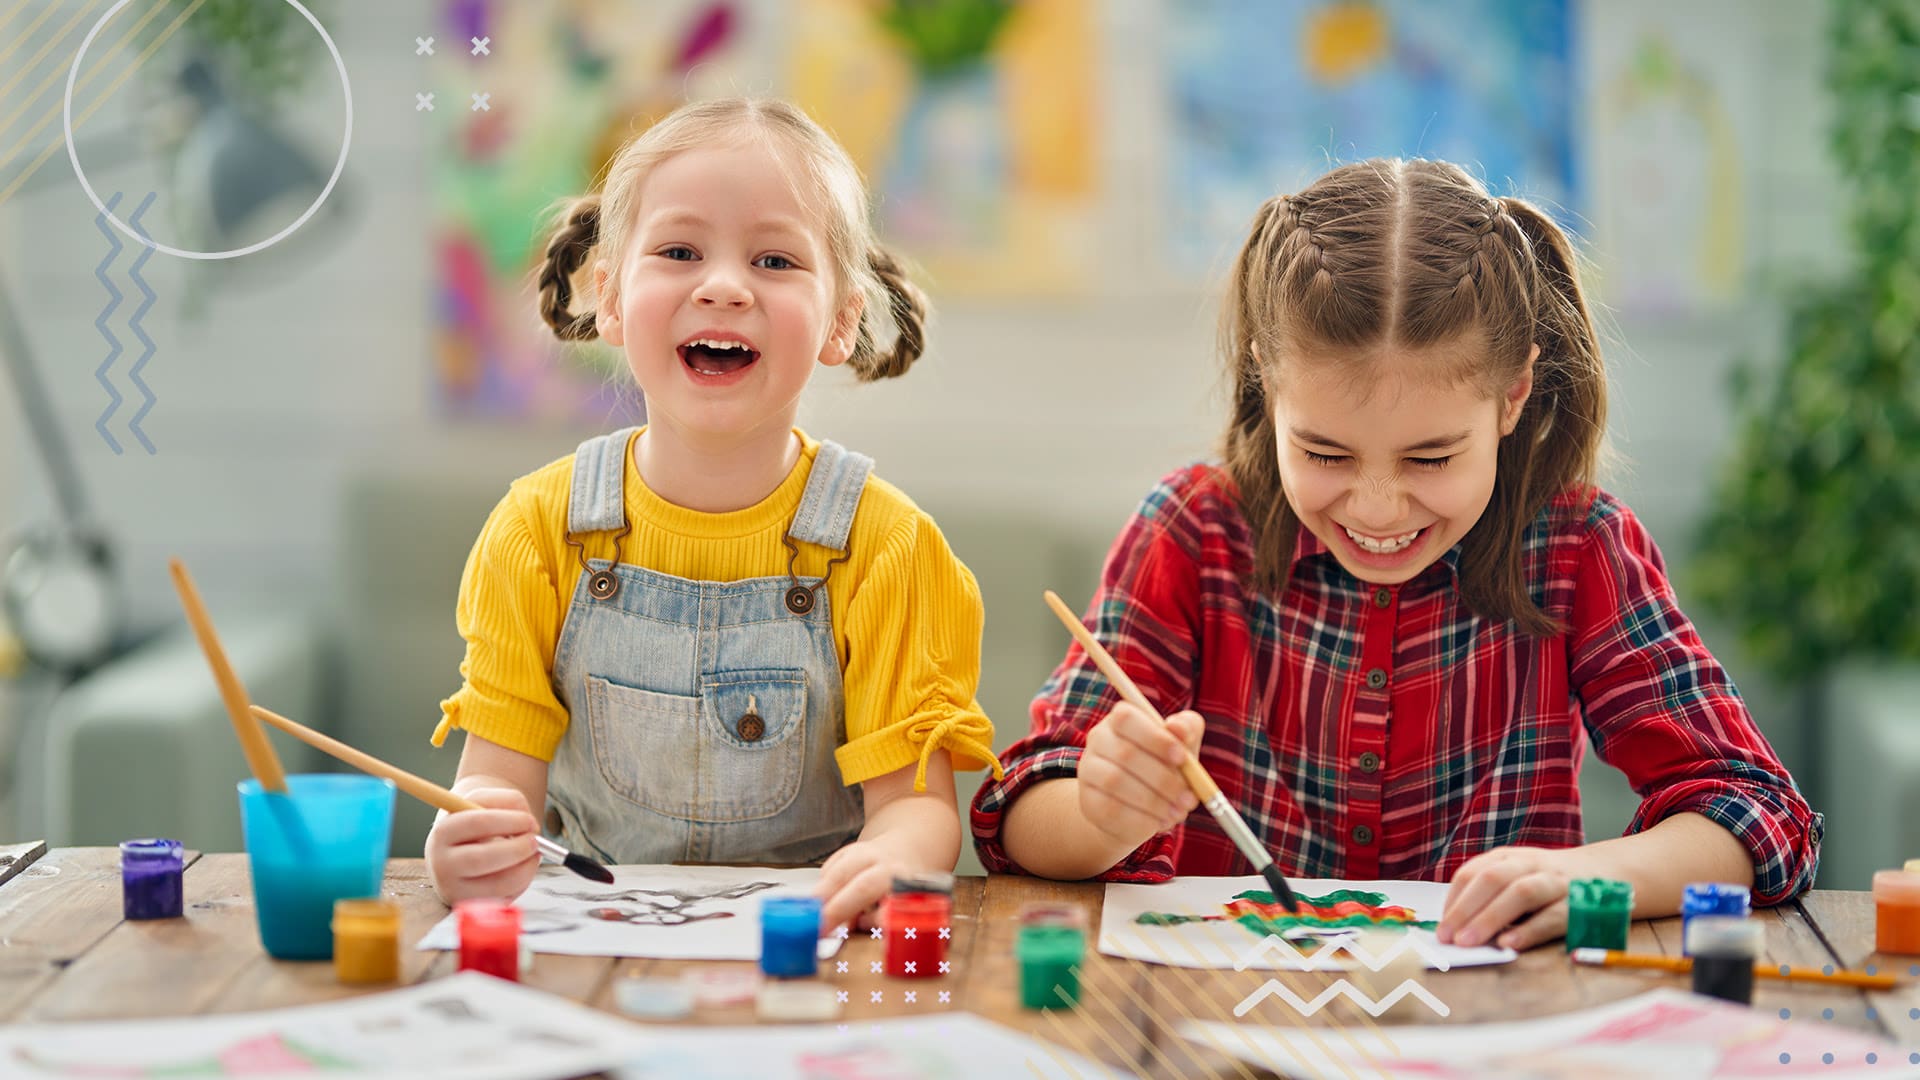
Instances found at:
x=1665 y=1033
x=951 y=1046
x=1212 y=922
x=1265 y=95
x=664 y=912
x=464 y=1027
x=974 y=122
x=530 y=102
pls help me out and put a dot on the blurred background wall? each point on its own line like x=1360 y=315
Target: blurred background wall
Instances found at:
x=368 y=386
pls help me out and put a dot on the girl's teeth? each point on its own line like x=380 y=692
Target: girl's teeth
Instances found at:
x=1383 y=547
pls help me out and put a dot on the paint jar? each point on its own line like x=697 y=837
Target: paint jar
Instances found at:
x=366 y=942
x=325 y=839
x=1912 y=866
x=489 y=937
x=1050 y=946
x=917 y=926
x=150 y=879
x=789 y=936
x=1599 y=912
x=1712 y=898
x=1896 y=912
x=1724 y=950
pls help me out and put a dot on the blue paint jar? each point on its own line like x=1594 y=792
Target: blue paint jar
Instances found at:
x=789 y=936
x=150 y=879
x=1711 y=898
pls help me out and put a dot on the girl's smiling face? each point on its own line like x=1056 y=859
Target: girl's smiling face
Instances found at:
x=725 y=298
x=1392 y=469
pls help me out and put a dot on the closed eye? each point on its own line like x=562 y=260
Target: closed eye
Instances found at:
x=1432 y=462
x=1325 y=459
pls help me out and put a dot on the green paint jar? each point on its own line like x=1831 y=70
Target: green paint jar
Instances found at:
x=1599 y=912
x=1049 y=957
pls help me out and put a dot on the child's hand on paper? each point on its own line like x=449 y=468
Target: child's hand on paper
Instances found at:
x=487 y=852
x=852 y=882
x=1131 y=786
x=1514 y=897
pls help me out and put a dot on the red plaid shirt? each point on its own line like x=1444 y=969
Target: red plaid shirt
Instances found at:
x=1388 y=732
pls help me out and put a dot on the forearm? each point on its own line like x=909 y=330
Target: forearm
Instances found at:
x=1663 y=860
x=921 y=829
x=1046 y=832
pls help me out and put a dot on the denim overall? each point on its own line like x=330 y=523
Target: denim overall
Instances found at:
x=704 y=714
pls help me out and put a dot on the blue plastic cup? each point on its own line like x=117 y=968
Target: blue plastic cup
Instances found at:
x=325 y=840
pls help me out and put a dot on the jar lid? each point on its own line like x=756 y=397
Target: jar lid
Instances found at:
x=155 y=848
x=385 y=911
x=1600 y=893
x=1896 y=886
x=653 y=999
x=1726 y=935
x=934 y=881
x=1717 y=898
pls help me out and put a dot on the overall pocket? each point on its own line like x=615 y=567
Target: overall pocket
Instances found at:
x=736 y=752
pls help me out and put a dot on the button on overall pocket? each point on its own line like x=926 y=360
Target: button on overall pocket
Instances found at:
x=735 y=753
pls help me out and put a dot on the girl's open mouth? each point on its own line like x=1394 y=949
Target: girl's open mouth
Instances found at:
x=711 y=356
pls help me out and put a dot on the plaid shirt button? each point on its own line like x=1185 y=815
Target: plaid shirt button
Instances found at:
x=1362 y=834
x=1376 y=678
x=1369 y=762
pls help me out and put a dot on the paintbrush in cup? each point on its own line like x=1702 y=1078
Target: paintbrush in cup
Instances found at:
x=253 y=738
x=426 y=790
x=1203 y=786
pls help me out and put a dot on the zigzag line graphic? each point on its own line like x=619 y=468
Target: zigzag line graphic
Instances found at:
x=1340 y=988
x=133 y=324
x=100 y=324
x=1291 y=957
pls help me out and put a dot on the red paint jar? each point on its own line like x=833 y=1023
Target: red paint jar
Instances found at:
x=489 y=938
x=917 y=926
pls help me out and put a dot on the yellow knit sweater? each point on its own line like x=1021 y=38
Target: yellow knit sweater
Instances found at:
x=906 y=613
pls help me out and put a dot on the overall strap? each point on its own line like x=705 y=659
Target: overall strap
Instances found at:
x=834 y=487
x=598 y=502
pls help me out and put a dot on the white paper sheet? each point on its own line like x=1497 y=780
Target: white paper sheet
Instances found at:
x=1224 y=944
x=951 y=1045
x=464 y=1027
x=1665 y=1033
x=662 y=912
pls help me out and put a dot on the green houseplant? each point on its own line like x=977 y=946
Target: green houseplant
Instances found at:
x=1811 y=545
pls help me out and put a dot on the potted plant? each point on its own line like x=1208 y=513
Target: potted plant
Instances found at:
x=1811 y=545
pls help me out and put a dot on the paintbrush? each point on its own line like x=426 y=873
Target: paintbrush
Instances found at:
x=426 y=790
x=1683 y=964
x=1203 y=786
x=253 y=738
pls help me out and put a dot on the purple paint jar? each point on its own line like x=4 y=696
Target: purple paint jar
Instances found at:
x=150 y=878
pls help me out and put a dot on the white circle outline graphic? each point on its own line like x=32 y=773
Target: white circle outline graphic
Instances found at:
x=73 y=155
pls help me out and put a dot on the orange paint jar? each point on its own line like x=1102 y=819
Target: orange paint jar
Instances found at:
x=1896 y=912
x=366 y=941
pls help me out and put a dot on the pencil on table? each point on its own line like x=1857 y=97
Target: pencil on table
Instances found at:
x=1786 y=972
x=1202 y=784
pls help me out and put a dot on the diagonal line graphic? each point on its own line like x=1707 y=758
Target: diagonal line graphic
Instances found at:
x=9 y=16
x=1193 y=986
x=1087 y=989
x=60 y=140
x=33 y=62
x=100 y=324
x=1154 y=1018
x=24 y=35
x=133 y=323
x=1066 y=1069
x=1079 y=1043
x=60 y=71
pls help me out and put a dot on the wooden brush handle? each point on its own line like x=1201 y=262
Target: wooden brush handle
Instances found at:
x=253 y=738
x=1190 y=767
x=417 y=786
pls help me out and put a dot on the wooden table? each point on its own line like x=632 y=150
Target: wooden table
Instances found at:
x=66 y=954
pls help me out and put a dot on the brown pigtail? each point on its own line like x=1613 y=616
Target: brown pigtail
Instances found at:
x=907 y=306
x=567 y=252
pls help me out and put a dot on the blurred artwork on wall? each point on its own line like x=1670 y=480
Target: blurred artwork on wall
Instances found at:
x=520 y=124
x=974 y=122
x=1265 y=95
x=1673 y=127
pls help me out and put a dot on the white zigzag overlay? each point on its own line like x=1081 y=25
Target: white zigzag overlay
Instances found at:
x=1289 y=955
x=1340 y=988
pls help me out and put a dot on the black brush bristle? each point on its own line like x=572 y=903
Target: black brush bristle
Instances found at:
x=1277 y=884
x=588 y=868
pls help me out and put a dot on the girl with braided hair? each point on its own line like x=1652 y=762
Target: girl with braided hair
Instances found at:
x=1392 y=616
x=716 y=638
